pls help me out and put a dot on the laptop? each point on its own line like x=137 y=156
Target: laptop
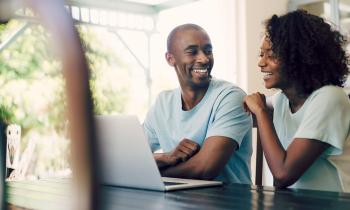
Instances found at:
x=126 y=159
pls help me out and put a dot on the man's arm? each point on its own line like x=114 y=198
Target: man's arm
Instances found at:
x=207 y=163
x=226 y=133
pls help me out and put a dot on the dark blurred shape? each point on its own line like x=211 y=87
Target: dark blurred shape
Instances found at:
x=7 y=9
x=66 y=43
x=2 y=164
x=4 y=21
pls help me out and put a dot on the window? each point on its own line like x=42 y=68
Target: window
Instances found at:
x=125 y=51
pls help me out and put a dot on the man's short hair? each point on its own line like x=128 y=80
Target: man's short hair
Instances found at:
x=180 y=28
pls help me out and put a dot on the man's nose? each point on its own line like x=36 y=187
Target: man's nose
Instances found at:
x=202 y=57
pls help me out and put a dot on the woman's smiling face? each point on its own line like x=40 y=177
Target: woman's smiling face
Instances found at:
x=270 y=65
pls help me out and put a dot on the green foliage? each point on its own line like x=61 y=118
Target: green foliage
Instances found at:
x=107 y=98
x=6 y=115
x=32 y=83
x=26 y=54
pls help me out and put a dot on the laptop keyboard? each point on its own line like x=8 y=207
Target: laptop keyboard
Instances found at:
x=172 y=183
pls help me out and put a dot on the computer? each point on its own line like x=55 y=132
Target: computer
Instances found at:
x=126 y=159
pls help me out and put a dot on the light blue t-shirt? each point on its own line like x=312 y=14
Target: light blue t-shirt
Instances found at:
x=324 y=116
x=219 y=113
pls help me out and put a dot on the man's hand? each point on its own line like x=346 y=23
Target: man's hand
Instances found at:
x=164 y=160
x=183 y=151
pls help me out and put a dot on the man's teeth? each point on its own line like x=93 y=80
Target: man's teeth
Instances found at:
x=200 y=70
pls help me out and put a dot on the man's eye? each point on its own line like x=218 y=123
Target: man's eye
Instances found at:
x=191 y=52
x=209 y=52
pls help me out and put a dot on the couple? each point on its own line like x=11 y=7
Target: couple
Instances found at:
x=204 y=127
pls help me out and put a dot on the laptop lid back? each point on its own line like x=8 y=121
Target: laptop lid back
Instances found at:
x=125 y=156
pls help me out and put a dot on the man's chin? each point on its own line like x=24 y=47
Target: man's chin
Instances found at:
x=203 y=83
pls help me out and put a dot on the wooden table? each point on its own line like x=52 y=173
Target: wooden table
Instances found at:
x=54 y=193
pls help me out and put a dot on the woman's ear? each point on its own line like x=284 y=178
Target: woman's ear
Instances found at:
x=170 y=58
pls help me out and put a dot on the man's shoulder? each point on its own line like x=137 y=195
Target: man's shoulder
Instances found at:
x=167 y=96
x=226 y=87
x=167 y=93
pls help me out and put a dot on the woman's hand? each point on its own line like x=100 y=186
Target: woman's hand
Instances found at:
x=255 y=103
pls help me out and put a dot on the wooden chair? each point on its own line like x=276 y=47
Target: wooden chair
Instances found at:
x=258 y=156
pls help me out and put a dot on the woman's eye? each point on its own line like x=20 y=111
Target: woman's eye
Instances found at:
x=271 y=56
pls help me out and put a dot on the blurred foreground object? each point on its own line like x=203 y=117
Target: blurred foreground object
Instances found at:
x=66 y=43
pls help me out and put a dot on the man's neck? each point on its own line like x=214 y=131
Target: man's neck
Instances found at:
x=191 y=97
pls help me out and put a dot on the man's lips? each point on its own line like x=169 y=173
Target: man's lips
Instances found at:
x=201 y=70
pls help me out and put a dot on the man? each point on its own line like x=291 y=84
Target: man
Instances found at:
x=201 y=126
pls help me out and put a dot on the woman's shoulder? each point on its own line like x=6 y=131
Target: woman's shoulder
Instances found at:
x=330 y=90
x=327 y=100
x=331 y=94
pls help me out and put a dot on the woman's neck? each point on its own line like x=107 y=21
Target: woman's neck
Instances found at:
x=296 y=100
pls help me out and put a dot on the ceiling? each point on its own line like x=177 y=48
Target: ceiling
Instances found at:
x=149 y=2
x=132 y=6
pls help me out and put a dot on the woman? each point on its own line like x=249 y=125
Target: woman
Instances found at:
x=307 y=144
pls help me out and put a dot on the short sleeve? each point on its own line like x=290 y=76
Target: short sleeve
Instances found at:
x=230 y=119
x=327 y=119
x=149 y=130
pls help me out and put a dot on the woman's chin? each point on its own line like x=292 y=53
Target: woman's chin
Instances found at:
x=268 y=86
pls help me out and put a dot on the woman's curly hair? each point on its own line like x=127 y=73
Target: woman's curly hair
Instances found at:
x=310 y=52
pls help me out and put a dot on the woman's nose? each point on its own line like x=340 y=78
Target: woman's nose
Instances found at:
x=262 y=62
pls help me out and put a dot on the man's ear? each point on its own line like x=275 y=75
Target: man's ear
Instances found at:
x=170 y=58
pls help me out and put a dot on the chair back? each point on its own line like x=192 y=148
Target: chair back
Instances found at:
x=258 y=155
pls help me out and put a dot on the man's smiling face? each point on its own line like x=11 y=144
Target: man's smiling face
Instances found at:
x=192 y=56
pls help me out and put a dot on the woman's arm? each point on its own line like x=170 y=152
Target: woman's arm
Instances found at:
x=286 y=166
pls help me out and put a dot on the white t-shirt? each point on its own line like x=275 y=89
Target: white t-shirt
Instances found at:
x=325 y=116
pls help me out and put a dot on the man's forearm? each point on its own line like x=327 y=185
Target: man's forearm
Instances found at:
x=182 y=170
x=191 y=169
x=207 y=163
